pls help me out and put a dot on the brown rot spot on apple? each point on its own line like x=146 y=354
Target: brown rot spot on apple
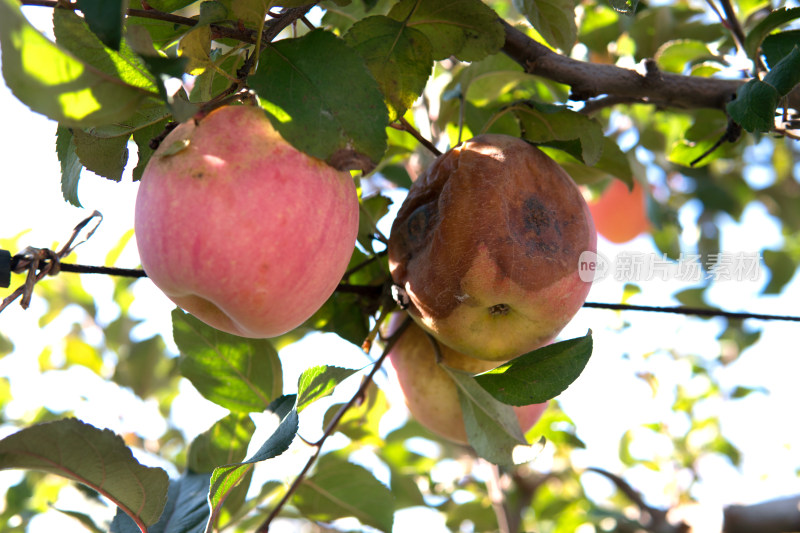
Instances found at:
x=536 y=216
x=418 y=223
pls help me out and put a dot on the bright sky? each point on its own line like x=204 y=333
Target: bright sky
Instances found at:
x=604 y=402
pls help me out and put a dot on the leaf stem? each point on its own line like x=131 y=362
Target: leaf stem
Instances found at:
x=332 y=427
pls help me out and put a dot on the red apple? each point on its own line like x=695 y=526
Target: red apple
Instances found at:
x=487 y=248
x=620 y=214
x=430 y=393
x=241 y=229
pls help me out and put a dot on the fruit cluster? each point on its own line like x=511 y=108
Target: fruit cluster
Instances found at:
x=485 y=247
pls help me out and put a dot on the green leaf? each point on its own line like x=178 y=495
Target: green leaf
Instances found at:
x=779 y=45
x=339 y=489
x=144 y=118
x=692 y=297
x=657 y=25
x=754 y=106
x=676 y=56
x=240 y=374
x=6 y=347
x=398 y=57
x=142 y=136
x=164 y=68
x=545 y=123
x=487 y=81
x=372 y=209
x=226 y=478
x=786 y=74
x=96 y=458
x=168 y=6
x=212 y=11
x=70 y=165
x=143 y=366
x=223 y=444
x=73 y=34
x=361 y=422
x=105 y=156
x=79 y=352
x=553 y=19
x=318 y=382
x=538 y=375
x=186 y=510
x=342 y=314
x=781 y=268
x=742 y=392
x=156 y=32
x=105 y=19
x=196 y=47
x=466 y=29
x=772 y=21
x=613 y=163
x=251 y=13
x=57 y=84
x=492 y=427
x=320 y=96
x=211 y=83
x=600 y=26
x=706 y=130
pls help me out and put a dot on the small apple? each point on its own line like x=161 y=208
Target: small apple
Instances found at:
x=430 y=393
x=620 y=214
x=241 y=229
x=487 y=247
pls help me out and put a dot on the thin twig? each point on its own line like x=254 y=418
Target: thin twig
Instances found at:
x=271 y=30
x=496 y=496
x=732 y=22
x=732 y=133
x=407 y=127
x=332 y=426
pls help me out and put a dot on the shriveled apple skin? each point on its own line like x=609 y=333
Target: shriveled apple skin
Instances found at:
x=241 y=229
x=487 y=245
x=430 y=393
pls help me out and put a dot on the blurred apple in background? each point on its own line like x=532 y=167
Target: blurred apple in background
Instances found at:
x=620 y=214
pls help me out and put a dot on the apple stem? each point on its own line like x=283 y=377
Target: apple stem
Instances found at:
x=436 y=348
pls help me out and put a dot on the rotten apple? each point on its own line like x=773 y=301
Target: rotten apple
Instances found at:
x=486 y=248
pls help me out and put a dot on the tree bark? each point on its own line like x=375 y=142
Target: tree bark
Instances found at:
x=619 y=85
x=774 y=516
